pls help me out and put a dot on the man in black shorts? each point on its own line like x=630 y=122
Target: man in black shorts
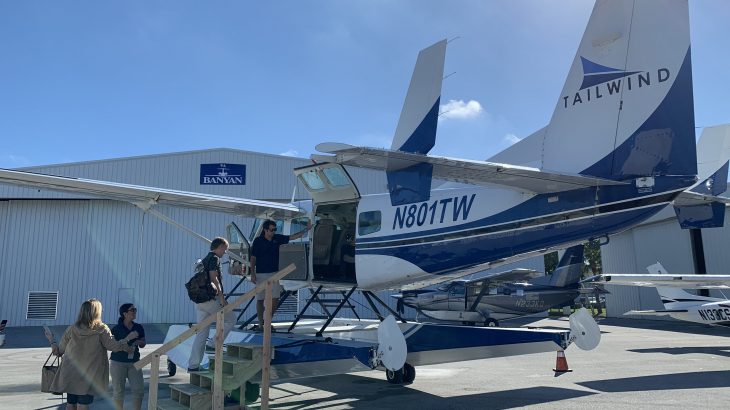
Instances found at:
x=265 y=261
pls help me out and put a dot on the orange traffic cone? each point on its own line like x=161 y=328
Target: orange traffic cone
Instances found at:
x=561 y=363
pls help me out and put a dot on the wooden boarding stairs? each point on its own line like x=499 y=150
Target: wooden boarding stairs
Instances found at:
x=229 y=372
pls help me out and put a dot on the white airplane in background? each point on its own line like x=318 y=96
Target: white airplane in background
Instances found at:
x=677 y=302
x=620 y=146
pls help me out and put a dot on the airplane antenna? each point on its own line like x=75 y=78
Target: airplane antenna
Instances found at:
x=294 y=194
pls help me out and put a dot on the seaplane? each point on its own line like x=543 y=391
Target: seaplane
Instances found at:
x=620 y=146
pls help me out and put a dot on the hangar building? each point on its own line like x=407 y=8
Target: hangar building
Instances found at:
x=59 y=249
x=661 y=239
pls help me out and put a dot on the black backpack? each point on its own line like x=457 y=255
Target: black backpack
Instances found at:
x=199 y=288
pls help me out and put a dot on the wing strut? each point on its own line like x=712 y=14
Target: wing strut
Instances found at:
x=147 y=208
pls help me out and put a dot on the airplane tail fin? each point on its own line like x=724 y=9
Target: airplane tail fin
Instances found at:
x=570 y=268
x=626 y=109
x=672 y=296
x=416 y=130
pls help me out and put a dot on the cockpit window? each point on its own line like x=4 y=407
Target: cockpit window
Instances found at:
x=312 y=180
x=298 y=225
x=458 y=289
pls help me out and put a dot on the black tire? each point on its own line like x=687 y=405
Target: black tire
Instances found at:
x=253 y=392
x=409 y=373
x=171 y=368
x=491 y=323
x=394 y=377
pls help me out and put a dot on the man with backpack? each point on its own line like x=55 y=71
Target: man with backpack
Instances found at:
x=210 y=299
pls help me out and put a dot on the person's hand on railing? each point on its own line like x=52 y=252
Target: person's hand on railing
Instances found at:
x=54 y=350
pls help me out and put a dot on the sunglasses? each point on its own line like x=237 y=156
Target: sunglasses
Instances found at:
x=134 y=309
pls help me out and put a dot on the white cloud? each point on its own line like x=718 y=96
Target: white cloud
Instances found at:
x=512 y=139
x=290 y=153
x=458 y=109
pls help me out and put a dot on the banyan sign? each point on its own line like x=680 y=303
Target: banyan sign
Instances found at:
x=222 y=174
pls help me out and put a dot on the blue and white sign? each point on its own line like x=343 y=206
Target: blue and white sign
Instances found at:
x=222 y=174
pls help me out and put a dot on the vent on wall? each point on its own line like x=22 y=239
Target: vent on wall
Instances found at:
x=42 y=305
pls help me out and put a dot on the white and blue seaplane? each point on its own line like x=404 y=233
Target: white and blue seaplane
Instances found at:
x=620 y=146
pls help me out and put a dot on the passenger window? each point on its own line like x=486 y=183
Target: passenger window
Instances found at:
x=369 y=222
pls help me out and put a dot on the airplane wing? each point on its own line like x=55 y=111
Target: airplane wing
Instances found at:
x=459 y=170
x=669 y=280
x=143 y=195
x=514 y=275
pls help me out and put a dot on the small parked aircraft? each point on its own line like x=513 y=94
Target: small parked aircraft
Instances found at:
x=679 y=303
x=504 y=295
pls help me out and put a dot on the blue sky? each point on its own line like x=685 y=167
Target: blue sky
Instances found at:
x=86 y=80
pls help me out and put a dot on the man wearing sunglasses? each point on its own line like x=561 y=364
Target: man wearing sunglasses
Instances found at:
x=265 y=261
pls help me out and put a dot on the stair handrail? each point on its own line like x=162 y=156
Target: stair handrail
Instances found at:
x=154 y=357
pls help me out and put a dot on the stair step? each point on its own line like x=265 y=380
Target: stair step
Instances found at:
x=170 y=404
x=191 y=396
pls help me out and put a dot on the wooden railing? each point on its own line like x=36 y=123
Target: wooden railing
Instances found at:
x=154 y=357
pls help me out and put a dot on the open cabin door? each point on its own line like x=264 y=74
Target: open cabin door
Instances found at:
x=239 y=246
x=334 y=199
x=327 y=183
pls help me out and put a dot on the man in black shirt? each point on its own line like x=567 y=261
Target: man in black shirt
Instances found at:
x=212 y=264
x=265 y=261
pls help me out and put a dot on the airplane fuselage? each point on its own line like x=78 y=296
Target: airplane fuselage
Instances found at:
x=465 y=230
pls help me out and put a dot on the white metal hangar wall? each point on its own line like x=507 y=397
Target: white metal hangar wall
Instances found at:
x=659 y=239
x=83 y=247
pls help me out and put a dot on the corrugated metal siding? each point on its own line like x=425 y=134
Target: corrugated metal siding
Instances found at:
x=267 y=176
x=634 y=250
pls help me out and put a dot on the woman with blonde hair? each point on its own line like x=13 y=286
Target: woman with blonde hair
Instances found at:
x=85 y=367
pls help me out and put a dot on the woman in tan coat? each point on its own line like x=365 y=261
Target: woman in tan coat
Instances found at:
x=85 y=367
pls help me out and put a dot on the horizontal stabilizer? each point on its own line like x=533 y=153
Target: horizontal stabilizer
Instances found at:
x=707 y=215
x=525 y=179
x=670 y=280
x=143 y=195
x=655 y=312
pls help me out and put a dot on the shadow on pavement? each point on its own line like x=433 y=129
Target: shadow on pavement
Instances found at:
x=666 y=325
x=674 y=381
x=369 y=393
x=711 y=350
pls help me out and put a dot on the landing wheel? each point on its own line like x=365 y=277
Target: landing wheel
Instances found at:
x=171 y=368
x=395 y=377
x=491 y=323
x=409 y=373
x=253 y=392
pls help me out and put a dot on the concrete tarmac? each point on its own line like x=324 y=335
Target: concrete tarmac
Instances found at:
x=639 y=364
